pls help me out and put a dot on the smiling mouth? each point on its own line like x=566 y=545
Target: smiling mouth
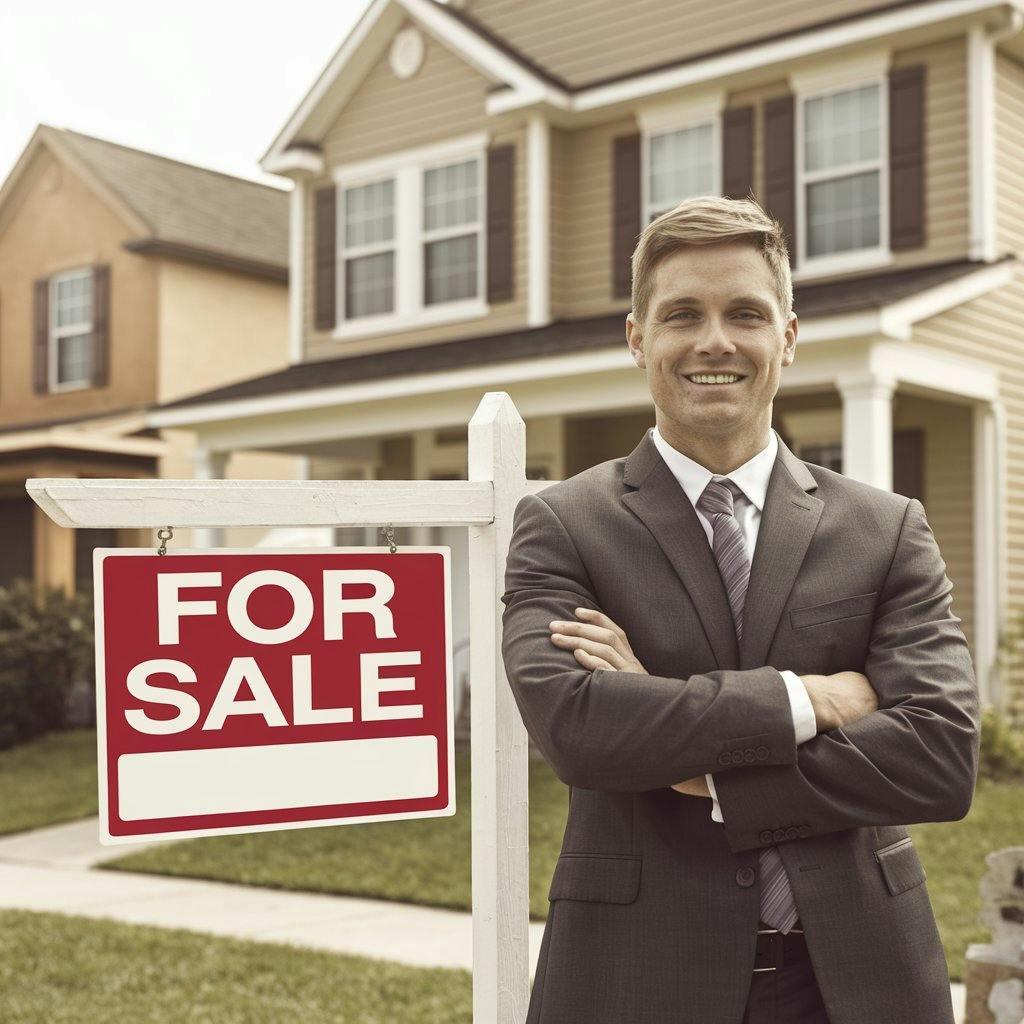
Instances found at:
x=714 y=384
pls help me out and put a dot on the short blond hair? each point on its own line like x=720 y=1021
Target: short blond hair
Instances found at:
x=704 y=220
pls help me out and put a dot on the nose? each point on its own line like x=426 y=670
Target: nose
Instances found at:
x=714 y=339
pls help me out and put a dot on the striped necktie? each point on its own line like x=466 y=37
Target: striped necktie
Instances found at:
x=778 y=907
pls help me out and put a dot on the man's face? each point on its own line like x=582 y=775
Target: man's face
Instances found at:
x=713 y=309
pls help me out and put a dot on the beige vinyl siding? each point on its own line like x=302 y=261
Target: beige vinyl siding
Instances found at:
x=443 y=100
x=590 y=40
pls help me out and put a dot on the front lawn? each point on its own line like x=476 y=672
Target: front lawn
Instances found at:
x=73 y=970
x=49 y=780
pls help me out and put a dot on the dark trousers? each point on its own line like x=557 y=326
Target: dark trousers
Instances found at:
x=788 y=995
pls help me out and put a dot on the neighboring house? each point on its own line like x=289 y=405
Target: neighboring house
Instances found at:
x=126 y=279
x=470 y=181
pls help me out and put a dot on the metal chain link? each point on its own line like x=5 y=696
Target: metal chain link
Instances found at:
x=389 y=534
x=169 y=531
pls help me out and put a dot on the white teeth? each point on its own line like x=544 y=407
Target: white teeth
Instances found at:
x=714 y=378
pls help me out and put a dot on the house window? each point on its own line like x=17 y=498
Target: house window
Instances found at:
x=841 y=164
x=451 y=232
x=71 y=325
x=411 y=238
x=681 y=163
x=369 y=249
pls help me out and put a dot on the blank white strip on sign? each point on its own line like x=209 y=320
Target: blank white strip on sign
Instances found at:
x=182 y=783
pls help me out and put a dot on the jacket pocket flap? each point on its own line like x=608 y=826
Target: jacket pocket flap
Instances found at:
x=604 y=878
x=843 y=608
x=901 y=865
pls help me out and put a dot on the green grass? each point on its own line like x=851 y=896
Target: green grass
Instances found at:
x=49 y=780
x=69 y=970
x=953 y=854
x=421 y=860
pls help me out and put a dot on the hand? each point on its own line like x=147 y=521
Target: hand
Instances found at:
x=596 y=642
x=697 y=786
x=840 y=699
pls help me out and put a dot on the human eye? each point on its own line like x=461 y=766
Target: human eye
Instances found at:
x=680 y=313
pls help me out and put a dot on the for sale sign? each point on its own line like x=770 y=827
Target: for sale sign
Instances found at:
x=249 y=690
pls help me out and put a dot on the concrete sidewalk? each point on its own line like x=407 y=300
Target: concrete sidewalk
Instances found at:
x=50 y=869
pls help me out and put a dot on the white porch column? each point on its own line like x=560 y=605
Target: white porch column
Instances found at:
x=989 y=548
x=538 y=199
x=296 y=255
x=867 y=427
x=208 y=465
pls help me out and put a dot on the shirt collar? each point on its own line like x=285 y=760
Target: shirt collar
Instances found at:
x=751 y=477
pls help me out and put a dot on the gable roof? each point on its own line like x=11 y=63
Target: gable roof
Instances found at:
x=175 y=208
x=907 y=294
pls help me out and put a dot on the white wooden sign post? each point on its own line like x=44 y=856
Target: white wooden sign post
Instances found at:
x=484 y=503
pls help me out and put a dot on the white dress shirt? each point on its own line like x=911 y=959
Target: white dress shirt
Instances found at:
x=752 y=479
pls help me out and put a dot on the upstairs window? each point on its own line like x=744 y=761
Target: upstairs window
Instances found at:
x=681 y=163
x=368 y=253
x=841 y=172
x=71 y=330
x=452 y=231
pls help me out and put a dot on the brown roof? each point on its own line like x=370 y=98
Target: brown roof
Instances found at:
x=191 y=211
x=851 y=293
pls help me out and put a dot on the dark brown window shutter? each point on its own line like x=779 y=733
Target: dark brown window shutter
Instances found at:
x=906 y=157
x=626 y=224
x=500 y=223
x=738 y=152
x=908 y=462
x=324 y=251
x=779 y=166
x=101 y=325
x=41 y=337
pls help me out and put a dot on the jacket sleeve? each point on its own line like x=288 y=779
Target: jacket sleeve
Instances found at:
x=913 y=759
x=621 y=731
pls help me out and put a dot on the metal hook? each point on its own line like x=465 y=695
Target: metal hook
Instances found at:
x=389 y=534
x=162 y=550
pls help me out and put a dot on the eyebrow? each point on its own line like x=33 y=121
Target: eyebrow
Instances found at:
x=691 y=300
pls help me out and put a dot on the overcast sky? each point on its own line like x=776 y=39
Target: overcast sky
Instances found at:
x=210 y=82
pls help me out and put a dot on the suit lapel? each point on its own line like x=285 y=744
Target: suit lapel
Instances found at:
x=788 y=521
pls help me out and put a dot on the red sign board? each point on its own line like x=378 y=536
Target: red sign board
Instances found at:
x=250 y=690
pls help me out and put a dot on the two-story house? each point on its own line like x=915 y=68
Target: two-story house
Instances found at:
x=126 y=279
x=469 y=182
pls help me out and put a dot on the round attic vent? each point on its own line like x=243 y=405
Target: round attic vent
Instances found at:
x=407 y=53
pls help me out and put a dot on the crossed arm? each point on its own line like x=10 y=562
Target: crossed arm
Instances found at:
x=914 y=759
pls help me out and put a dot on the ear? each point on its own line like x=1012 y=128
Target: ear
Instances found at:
x=635 y=340
x=789 y=348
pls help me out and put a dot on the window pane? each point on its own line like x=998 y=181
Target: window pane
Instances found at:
x=450 y=195
x=682 y=165
x=370 y=213
x=450 y=268
x=842 y=128
x=370 y=285
x=843 y=214
x=74 y=358
x=74 y=300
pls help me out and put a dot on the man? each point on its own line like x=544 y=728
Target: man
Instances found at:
x=747 y=669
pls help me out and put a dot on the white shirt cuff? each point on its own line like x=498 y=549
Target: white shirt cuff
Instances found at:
x=805 y=725
x=716 y=811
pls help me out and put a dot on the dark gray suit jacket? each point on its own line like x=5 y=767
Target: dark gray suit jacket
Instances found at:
x=654 y=906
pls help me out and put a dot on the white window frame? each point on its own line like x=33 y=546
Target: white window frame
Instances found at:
x=678 y=115
x=408 y=168
x=55 y=333
x=854 y=259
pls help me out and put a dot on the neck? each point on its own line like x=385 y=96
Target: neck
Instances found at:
x=720 y=454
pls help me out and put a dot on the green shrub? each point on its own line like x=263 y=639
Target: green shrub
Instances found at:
x=1002 y=748
x=46 y=646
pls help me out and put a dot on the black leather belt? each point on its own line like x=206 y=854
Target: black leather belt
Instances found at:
x=775 y=950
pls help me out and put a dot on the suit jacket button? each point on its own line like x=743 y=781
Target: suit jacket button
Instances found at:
x=779 y=834
x=737 y=757
x=766 y=836
x=749 y=755
x=792 y=832
x=745 y=877
x=762 y=753
x=725 y=758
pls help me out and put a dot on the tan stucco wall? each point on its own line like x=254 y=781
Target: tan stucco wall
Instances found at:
x=217 y=327
x=56 y=222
